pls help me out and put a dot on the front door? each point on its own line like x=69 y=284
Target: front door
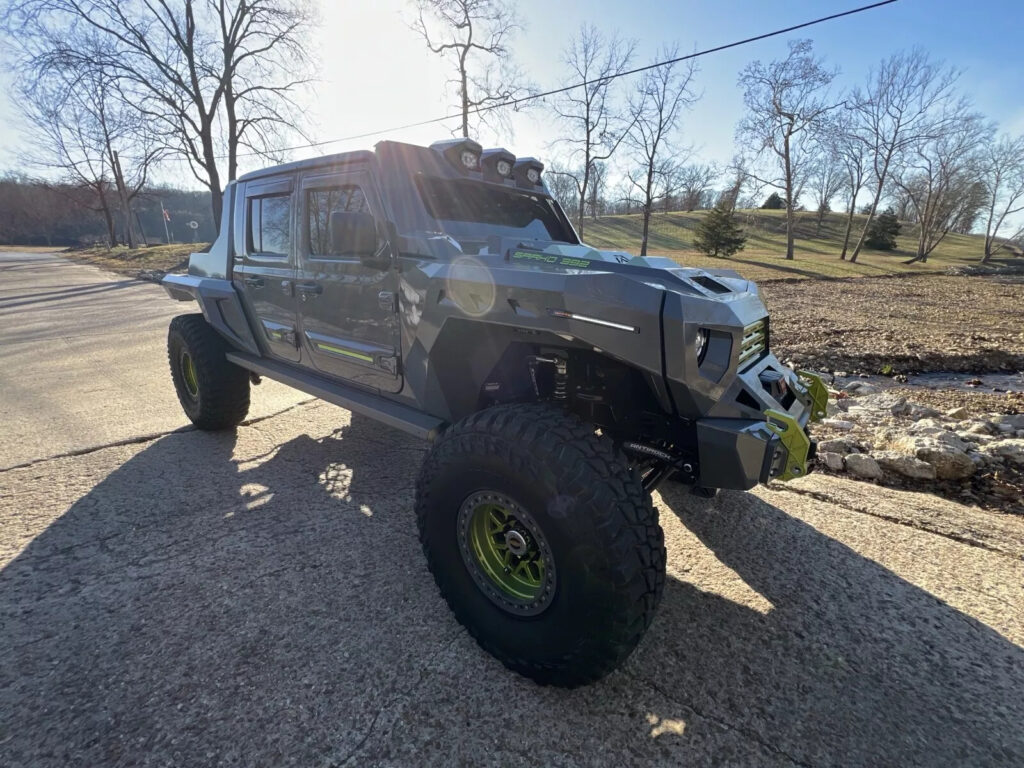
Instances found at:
x=348 y=313
x=264 y=269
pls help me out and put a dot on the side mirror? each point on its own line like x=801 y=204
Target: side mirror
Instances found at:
x=353 y=233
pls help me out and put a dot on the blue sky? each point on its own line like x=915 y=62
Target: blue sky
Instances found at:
x=376 y=73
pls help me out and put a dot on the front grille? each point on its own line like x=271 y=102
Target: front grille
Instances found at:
x=755 y=341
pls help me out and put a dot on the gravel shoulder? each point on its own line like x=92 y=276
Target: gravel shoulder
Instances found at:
x=887 y=431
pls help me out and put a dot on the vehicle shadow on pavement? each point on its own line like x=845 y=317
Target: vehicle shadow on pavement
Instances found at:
x=64 y=293
x=209 y=602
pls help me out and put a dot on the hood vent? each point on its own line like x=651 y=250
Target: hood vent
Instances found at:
x=712 y=285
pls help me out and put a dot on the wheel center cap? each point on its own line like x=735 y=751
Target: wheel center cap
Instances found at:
x=516 y=543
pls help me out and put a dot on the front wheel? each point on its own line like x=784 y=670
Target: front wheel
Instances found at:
x=213 y=392
x=542 y=541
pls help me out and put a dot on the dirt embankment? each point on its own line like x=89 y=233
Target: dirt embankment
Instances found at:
x=900 y=324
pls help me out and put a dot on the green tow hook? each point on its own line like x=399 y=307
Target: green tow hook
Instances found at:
x=795 y=441
x=817 y=394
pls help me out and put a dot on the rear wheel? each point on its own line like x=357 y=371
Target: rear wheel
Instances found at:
x=213 y=392
x=542 y=541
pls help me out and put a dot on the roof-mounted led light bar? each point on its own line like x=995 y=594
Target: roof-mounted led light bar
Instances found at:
x=497 y=164
x=527 y=171
x=464 y=154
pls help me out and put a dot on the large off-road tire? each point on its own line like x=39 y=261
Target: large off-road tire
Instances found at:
x=213 y=392
x=542 y=541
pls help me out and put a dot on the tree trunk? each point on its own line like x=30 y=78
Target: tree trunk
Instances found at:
x=849 y=228
x=864 y=231
x=874 y=207
x=583 y=197
x=232 y=120
x=108 y=218
x=990 y=234
x=922 y=244
x=647 y=208
x=126 y=208
x=210 y=166
x=789 y=202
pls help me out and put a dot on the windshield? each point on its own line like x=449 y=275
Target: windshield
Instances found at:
x=470 y=211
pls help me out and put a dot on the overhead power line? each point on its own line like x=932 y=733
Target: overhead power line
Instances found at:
x=555 y=91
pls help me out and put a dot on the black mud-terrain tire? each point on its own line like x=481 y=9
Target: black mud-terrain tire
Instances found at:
x=607 y=546
x=213 y=392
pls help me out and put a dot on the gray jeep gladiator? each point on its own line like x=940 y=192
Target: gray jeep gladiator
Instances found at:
x=442 y=291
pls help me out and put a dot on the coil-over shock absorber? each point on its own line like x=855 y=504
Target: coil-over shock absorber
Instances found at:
x=561 y=378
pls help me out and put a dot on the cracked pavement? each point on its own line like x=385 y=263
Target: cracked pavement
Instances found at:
x=172 y=597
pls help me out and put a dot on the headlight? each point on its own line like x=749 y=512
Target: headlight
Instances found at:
x=702 y=344
x=504 y=168
x=469 y=159
x=533 y=175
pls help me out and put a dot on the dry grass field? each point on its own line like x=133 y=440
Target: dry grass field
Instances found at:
x=816 y=251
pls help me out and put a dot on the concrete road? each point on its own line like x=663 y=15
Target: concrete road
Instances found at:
x=83 y=359
x=260 y=598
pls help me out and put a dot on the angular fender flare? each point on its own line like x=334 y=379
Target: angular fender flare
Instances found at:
x=221 y=307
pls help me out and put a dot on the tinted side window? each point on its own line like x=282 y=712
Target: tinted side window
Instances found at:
x=269 y=224
x=320 y=204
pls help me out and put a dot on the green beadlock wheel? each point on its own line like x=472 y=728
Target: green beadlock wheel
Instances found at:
x=510 y=494
x=188 y=375
x=213 y=392
x=506 y=553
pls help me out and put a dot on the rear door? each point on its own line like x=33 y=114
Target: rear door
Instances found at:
x=348 y=313
x=264 y=268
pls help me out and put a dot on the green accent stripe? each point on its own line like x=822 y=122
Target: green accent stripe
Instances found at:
x=345 y=352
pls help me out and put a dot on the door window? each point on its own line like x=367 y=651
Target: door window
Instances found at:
x=320 y=204
x=270 y=225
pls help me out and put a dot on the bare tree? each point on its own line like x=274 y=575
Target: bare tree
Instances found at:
x=694 y=181
x=937 y=174
x=595 y=126
x=213 y=77
x=739 y=173
x=655 y=109
x=474 y=36
x=902 y=207
x=1003 y=168
x=624 y=196
x=826 y=175
x=785 y=99
x=84 y=130
x=851 y=148
x=562 y=183
x=668 y=177
x=972 y=205
x=901 y=105
x=598 y=182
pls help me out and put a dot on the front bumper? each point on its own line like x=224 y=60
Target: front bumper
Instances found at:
x=740 y=453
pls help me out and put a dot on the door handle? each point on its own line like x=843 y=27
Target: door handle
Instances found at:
x=254 y=282
x=309 y=289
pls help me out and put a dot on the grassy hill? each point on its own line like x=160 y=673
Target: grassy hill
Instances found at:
x=816 y=253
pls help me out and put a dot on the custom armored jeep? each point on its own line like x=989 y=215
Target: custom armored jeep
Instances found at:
x=442 y=291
